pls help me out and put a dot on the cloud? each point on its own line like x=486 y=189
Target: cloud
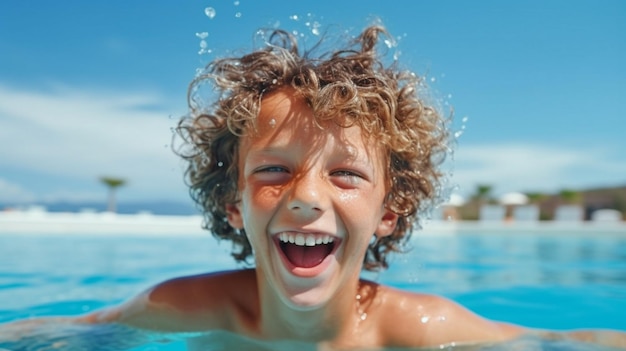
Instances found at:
x=536 y=167
x=82 y=134
x=10 y=191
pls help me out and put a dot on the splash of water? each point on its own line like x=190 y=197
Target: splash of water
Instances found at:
x=460 y=132
x=210 y=12
x=314 y=27
x=204 y=46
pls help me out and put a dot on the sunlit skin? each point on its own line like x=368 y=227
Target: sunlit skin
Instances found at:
x=298 y=177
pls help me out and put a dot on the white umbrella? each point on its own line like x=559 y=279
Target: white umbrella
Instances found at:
x=513 y=199
x=455 y=200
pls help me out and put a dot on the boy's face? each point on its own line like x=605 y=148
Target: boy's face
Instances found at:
x=311 y=199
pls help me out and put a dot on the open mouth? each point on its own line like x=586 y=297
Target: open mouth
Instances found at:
x=306 y=250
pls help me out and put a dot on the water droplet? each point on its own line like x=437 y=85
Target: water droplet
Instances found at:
x=202 y=35
x=203 y=48
x=274 y=81
x=220 y=164
x=209 y=12
x=458 y=133
x=433 y=79
x=238 y=14
x=236 y=3
x=465 y=119
x=272 y=123
x=316 y=28
x=294 y=17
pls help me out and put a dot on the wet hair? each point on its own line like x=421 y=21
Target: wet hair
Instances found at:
x=350 y=86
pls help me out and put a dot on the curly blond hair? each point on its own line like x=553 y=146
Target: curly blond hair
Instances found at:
x=350 y=86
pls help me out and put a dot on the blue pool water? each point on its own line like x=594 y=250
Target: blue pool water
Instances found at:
x=554 y=280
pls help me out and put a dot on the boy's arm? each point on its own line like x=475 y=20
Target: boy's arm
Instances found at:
x=452 y=322
x=447 y=322
x=467 y=323
x=67 y=333
x=431 y=321
x=131 y=323
x=611 y=338
x=186 y=304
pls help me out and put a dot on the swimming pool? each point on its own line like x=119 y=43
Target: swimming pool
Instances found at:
x=554 y=279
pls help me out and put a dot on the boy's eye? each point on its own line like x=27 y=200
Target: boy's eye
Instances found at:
x=271 y=174
x=348 y=178
x=271 y=169
x=344 y=173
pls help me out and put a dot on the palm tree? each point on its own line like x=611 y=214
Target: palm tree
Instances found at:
x=536 y=197
x=112 y=183
x=570 y=197
x=483 y=193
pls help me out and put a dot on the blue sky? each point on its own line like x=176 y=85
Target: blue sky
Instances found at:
x=92 y=88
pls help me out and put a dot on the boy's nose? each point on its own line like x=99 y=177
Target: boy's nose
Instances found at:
x=307 y=195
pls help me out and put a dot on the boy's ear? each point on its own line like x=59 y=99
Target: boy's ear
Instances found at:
x=387 y=224
x=233 y=215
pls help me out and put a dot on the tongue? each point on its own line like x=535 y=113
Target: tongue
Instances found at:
x=306 y=256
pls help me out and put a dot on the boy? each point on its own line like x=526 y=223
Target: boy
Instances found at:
x=317 y=168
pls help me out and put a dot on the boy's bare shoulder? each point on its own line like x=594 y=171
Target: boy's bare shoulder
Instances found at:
x=203 y=292
x=429 y=320
x=222 y=300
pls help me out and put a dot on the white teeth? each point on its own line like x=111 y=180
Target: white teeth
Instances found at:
x=310 y=240
x=301 y=239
